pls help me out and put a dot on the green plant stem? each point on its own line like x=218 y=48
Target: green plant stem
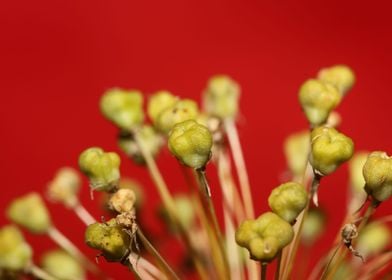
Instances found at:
x=39 y=273
x=205 y=189
x=278 y=265
x=68 y=246
x=239 y=162
x=263 y=275
x=83 y=214
x=168 y=202
x=161 y=261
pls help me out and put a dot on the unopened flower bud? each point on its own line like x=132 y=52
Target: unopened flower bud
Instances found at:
x=265 y=236
x=122 y=201
x=109 y=238
x=221 y=97
x=15 y=252
x=30 y=212
x=180 y=111
x=318 y=99
x=329 y=149
x=377 y=172
x=65 y=186
x=288 y=200
x=341 y=76
x=296 y=149
x=191 y=143
x=374 y=238
x=62 y=265
x=158 y=103
x=152 y=141
x=313 y=226
x=101 y=168
x=123 y=107
x=184 y=210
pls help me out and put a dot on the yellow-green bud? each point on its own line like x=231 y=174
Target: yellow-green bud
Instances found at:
x=101 y=168
x=355 y=167
x=123 y=200
x=288 y=200
x=185 y=212
x=123 y=107
x=180 y=111
x=265 y=236
x=109 y=238
x=152 y=141
x=341 y=76
x=65 y=186
x=377 y=172
x=158 y=103
x=15 y=252
x=62 y=265
x=191 y=143
x=296 y=149
x=30 y=212
x=373 y=239
x=318 y=99
x=221 y=97
x=329 y=149
x=313 y=226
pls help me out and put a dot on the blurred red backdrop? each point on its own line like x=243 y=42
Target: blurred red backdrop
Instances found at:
x=57 y=57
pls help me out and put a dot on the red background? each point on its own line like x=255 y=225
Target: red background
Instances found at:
x=57 y=57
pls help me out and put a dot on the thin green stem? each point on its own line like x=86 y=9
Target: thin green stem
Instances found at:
x=279 y=262
x=39 y=273
x=263 y=274
x=161 y=261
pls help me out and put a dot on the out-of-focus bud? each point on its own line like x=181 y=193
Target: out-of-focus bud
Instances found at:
x=65 y=186
x=185 y=212
x=341 y=76
x=221 y=97
x=15 y=252
x=30 y=212
x=373 y=239
x=296 y=149
x=101 y=168
x=109 y=238
x=318 y=99
x=62 y=265
x=377 y=172
x=180 y=111
x=123 y=107
x=122 y=201
x=158 y=103
x=313 y=226
x=265 y=236
x=355 y=167
x=288 y=200
x=329 y=149
x=151 y=139
x=191 y=143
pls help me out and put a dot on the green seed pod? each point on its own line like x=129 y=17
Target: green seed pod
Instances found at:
x=296 y=149
x=340 y=76
x=265 y=236
x=329 y=149
x=123 y=108
x=158 y=103
x=355 y=167
x=15 y=252
x=182 y=110
x=62 y=265
x=101 y=168
x=288 y=200
x=65 y=186
x=109 y=238
x=377 y=172
x=373 y=239
x=313 y=226
x=318 y=99
x=191 y=143
x=185 y=212
x=30 y=212
x=151 y=139
x=221 y=97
